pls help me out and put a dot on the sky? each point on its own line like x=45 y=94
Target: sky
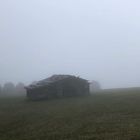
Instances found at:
x=93 y=39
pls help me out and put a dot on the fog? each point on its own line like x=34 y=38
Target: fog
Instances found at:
x=96 y=40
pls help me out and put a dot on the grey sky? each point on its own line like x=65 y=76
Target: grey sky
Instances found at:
x=94 y=39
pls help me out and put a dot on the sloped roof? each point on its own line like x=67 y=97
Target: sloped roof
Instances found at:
x=49 y=81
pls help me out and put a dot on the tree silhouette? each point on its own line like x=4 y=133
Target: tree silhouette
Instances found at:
x=9 y=88
x=95 y=86
x=20 y=90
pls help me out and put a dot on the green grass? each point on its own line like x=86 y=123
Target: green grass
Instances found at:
x=108 y=115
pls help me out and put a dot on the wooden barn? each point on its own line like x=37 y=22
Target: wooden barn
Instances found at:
x=58 y=86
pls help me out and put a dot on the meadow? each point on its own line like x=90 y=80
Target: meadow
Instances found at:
x=106 y=115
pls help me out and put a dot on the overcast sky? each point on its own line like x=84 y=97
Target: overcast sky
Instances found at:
x=95 y=39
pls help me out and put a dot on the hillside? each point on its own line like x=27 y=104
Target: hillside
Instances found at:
x=108 y=115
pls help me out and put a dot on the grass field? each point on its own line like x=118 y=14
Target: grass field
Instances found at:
x=108 y=115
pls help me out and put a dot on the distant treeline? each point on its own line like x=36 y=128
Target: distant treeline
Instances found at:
x=9 y=89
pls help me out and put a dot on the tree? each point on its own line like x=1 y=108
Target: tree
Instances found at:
x=20 y=90
x=9 y=88
x=95 y=86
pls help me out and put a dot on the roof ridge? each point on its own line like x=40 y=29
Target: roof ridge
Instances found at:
x=49 y=80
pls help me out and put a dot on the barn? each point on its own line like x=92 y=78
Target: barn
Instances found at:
x=58 y=86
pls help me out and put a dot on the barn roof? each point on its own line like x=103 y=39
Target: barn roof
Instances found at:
x=50 y=80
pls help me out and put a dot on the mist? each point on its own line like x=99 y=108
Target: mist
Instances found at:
x=96 y=40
